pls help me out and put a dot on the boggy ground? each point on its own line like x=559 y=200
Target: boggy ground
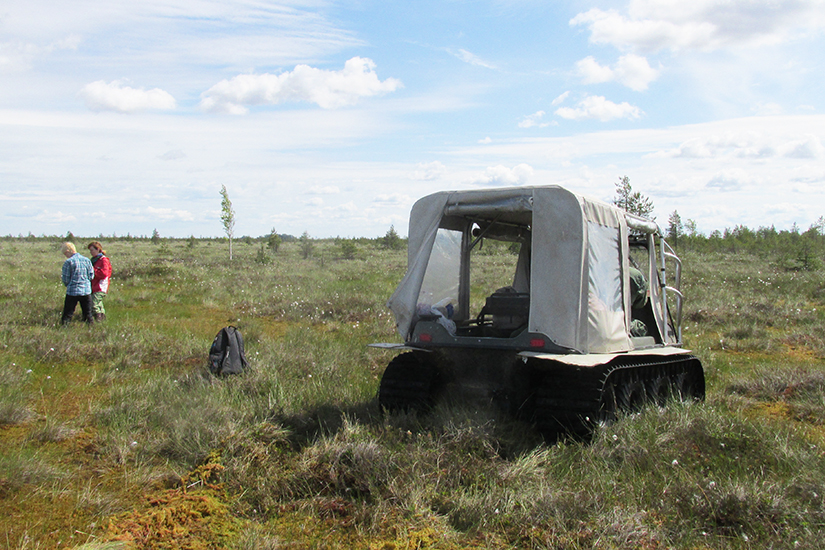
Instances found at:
x=116 y=436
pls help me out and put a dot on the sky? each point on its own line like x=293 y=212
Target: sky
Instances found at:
x=333 y=118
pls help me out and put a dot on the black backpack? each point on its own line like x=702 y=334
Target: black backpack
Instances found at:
x=226 y=355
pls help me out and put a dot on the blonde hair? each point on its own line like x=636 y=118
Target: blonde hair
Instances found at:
x=97 y=245
x=69 y=247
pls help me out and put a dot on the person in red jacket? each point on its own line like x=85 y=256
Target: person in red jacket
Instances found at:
x=100 y=282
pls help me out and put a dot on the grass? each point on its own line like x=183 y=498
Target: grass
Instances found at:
x=116 y=436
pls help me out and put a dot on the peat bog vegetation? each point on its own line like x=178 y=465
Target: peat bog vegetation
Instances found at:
x=116 y=436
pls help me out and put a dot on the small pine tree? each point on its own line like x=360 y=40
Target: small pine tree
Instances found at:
x=155 y=236
x=391 y=240
x=263 y=257
x=632 y=201
x=306 y=244
x=674 y=228
x=348 y=249
x=273 y=241
x=819 y=225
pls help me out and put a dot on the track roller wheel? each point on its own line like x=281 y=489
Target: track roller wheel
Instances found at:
x=659 y=390
x=608 y=404
x=410 y=383
x=685 y=387
x=631 y=396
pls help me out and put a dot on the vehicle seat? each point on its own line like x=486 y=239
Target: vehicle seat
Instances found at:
x=509 y=309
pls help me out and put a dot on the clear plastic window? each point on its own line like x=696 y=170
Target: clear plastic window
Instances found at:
x=605 y=267
x=605 y=317
x=439 y=289
x=493 y=265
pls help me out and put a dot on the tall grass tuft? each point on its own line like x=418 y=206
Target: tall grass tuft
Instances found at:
x=798 y=393
x=21 y=467
x=14 y=407
x=177 y=418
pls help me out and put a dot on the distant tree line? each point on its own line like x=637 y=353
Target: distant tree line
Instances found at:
x=790 y=248
x=155 y=238
x=272 y=240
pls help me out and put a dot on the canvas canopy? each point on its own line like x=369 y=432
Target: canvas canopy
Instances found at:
x=573 y=256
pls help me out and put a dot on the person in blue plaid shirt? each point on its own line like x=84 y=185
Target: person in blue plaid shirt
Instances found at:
x=77 y=276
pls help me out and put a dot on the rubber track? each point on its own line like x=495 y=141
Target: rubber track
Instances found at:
x=572 y=400
x=408 y=383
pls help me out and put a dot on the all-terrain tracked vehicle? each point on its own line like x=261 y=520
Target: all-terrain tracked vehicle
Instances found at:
x=587 y=322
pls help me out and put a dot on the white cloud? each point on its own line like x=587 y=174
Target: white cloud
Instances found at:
x=780 y=208
x=676 y=186
x=530 y=121
x=807 y=148
x=768 y=109
x=696 y=148
x=609 y=27
x=187 y=34
x=693 y=148
x=114 y=96
x=324 y=190
x=653 y=25
x=730 y=180
x=122 y=212
x=391 y=200
x=56 y=217
x=327 y=89
x=599 y=108
x=592 y=73
x=472 y=59
x=486 y=140
x=176 y=154
x=428 y=171
x=756 y=151
x=746 y=146
x=18 y=56
x=503 y=176
x=342 y=210
x=170 y=214
x=631 y=70
x=560 y=99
